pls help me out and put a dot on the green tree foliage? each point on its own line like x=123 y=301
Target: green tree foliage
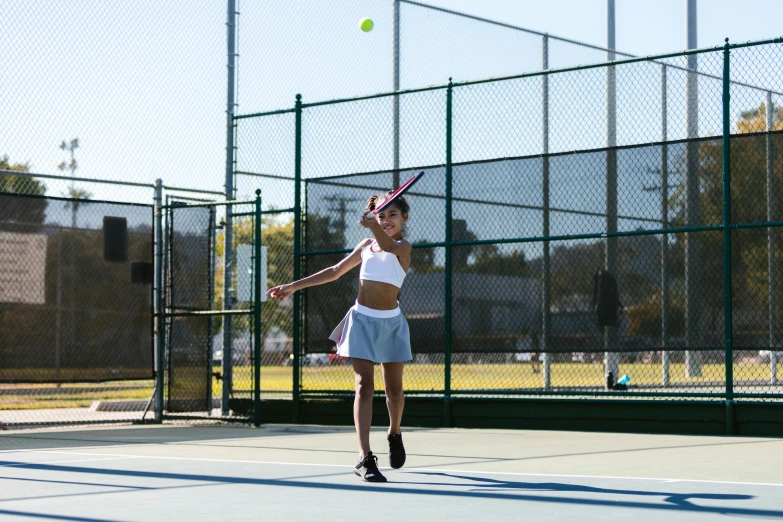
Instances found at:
x=748 y=205
x=278 y=238
x=18 y=184
x=572 y=269
x=20 y=214
x=478 y=259
x=497 y=263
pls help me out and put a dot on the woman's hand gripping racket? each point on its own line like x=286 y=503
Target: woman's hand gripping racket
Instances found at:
x=391 y=198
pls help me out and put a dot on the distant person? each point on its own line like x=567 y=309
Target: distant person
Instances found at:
x=534 y=362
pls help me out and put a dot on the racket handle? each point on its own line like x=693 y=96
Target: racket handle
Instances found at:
x=365 y=214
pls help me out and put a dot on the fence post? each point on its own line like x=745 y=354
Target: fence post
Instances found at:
x=772 y=244
x=228 y=235
x=447 y=268
x=297 y=341
x=257 y=311
x=693 y=278
x=727 y=306
x=546 y=268
x=211 y=306
x=158 y=301
x=665 y=358
x=611 y=357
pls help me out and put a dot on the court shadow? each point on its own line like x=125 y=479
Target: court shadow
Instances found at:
x=489 y=484
x=477 y=488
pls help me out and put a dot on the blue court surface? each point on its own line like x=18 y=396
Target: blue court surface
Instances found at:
x=304 y=473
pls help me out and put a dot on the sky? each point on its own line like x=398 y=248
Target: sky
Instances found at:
x=143 y=84
x=642 y=27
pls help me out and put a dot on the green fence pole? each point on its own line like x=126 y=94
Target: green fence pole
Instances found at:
x=447 y=268
x=158 y=296
x=727 y=305
x=297 y=249
x=257 y=312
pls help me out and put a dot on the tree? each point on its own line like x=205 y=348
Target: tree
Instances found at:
x=572 y=269
x=18 y=184
x=73 y=192
x=748 y=205
x=278 y=238
x=323 y=233
x=20 y=213
x=645 y=318
x=497 y=263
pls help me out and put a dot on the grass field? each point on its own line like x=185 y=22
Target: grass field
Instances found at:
x=278 y=380
x=426 y=377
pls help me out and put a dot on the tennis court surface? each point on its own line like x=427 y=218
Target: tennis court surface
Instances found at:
x=295 y=472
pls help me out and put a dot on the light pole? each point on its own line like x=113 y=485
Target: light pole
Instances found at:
x=71 y=147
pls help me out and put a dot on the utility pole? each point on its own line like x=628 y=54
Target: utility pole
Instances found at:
x=342 y=209
x=74 y=194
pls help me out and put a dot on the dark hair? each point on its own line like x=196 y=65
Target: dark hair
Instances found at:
x=400 y=202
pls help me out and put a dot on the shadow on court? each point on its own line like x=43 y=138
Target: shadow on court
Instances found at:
x=443 y=485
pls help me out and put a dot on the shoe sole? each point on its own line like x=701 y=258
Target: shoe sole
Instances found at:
x=356 y=472
x=397 y=467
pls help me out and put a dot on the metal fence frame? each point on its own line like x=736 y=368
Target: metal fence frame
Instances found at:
x=155 y=205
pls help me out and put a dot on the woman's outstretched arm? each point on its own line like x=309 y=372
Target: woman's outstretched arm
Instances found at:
x=327 y=275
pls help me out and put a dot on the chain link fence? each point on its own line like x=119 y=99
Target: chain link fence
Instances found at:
x=213 y=355
x=534 y=182
x=75 y=310
x=101 y=104
x=546 y=180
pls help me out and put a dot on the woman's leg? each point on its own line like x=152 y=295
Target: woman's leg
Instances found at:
x=395 y=400
x=362 y=403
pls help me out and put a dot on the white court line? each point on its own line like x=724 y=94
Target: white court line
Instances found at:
x=20 y=465
x=428 y=470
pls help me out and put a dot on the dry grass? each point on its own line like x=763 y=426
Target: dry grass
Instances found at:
x=418 y=377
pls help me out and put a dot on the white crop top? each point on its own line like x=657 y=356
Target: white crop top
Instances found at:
x=381 y=266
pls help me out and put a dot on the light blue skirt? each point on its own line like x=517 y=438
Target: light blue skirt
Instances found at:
x=380 y=336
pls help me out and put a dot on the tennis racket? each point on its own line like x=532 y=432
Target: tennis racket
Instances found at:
x=391 y=198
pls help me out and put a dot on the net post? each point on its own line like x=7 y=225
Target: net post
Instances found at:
x=158 y=302
x=257 y=311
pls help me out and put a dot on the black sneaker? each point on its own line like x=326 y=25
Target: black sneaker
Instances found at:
x=367 y=469
x=396 y=451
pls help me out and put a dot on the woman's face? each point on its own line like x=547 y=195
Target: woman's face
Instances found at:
x=392 y=220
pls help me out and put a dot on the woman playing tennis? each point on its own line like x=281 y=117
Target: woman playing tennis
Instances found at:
x=374 y=330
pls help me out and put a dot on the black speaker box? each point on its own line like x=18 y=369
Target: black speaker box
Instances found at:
x=141 y=273
x=115 y=239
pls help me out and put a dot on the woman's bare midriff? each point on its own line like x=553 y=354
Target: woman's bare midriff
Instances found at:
x=377 y=295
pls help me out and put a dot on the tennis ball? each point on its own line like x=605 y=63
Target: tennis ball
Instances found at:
x=366 y=24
